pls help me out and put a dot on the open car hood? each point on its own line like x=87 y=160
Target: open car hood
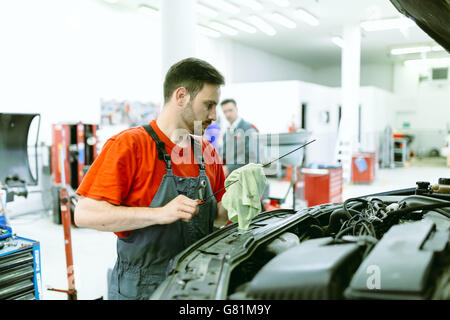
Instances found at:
x=433 y=17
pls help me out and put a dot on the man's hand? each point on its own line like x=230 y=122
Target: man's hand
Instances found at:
x=181 y=207
x=226 y=171
x=104 y=216
x=222 y=215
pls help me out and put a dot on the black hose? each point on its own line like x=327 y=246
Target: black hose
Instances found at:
x=335 y=220
x=316 y=231
x=425 y=207
x=357 y=206
x=346 y=202
x=353 y=211
x=441 y=196
x=343 y=232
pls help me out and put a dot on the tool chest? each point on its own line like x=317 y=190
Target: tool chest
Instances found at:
x=20 y=270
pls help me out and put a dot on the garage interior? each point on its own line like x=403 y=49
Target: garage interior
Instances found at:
x=363 y=80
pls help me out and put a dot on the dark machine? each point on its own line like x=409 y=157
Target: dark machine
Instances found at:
x=15 y=170
x=20 y=269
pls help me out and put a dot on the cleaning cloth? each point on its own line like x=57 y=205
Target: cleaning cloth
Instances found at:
x=243 y=198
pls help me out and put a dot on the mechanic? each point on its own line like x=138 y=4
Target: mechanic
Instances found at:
x=240 y=140
x=139 y=188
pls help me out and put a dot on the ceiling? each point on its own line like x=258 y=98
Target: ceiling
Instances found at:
x=312 y=45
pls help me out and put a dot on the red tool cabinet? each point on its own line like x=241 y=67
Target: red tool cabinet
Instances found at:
x=363 y=167
x=81 y=151
x=322 y=185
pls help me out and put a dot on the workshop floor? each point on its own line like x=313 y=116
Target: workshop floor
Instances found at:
x=94 y=251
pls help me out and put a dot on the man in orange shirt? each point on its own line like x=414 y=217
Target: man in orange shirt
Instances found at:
x=146 y=184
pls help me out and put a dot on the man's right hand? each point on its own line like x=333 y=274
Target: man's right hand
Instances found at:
x=104 y=216
x=181 y=207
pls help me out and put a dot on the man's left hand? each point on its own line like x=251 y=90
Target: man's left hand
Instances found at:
x=222 y=216
x=226 y=171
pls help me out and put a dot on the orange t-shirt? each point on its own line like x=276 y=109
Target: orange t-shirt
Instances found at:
x=128 y=171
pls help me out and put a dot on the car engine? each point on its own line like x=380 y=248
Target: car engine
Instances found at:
x=390 y=245
x=379 y=247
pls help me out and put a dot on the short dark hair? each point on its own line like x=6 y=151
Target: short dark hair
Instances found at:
x=228 y=101
x=192 y=74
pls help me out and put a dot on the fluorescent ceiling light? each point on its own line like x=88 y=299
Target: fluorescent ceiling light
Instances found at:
x=281 y=3
x=262 y=25
x=223 y=28
x=307 y=17
x=252 y=4
x=238 y=24
x=437 y=48
x=148 y=10
x=207 y=11
x=427 y=62
x=283 y=20
x=208 y=32
x=224 y=5
x=420 y=49
x=338 y=41
x=387 y=24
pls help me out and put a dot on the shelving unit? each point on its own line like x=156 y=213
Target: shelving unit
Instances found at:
x=400 y=152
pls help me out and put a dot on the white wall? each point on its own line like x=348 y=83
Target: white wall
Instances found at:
x=320 y=99
x=59 y=58
x=328 y=76
x=377 y=75
x=270 y=106
x=218 y=53
x=427 y=108
x=377 y=110
x=251 y=65
x=432 y=107
x=424 y=105
x=242 y=64
x=274 y=106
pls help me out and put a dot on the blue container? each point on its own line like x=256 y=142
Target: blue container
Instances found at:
x=5 y=230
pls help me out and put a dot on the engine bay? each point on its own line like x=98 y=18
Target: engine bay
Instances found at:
x=391 y=245
x=386 y=247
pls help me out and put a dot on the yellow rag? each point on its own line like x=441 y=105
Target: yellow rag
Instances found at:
x=243 y=198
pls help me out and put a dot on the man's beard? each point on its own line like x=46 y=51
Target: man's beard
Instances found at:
x=191 y=123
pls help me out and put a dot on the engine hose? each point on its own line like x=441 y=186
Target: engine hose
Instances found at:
x=335 y=220
x=364 y=201
x=421 y=200
x=316 y=231
x=425 y=207
x=342 y=232
x=346 y=202
x=357 y=206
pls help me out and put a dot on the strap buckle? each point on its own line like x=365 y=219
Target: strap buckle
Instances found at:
x=167 y=160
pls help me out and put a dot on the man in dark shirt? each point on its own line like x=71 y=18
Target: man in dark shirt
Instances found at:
x=240 y=141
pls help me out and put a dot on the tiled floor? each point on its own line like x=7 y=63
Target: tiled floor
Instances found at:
x=94 y=251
